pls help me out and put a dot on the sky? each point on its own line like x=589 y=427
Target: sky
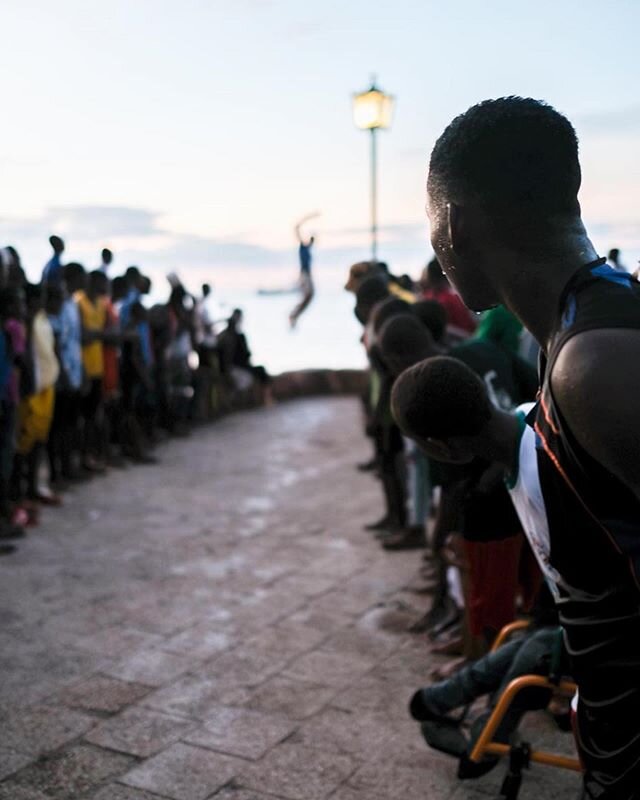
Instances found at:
x=190 y=135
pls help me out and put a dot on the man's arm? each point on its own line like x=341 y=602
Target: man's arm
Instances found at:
x=300 y=223
x=596 y=384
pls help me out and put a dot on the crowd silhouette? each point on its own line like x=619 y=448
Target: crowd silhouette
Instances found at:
x=92 y=378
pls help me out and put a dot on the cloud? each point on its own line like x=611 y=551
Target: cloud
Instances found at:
x=193 y=249
x=625 y=235
x=138 y=236
x=85 y=222
x=401 y=229
x=617 y=121
x=100 y=222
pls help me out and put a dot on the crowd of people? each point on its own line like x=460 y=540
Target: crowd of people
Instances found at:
x=91 y=378
x=445 y=410
x=506 y=443
x=507 y=446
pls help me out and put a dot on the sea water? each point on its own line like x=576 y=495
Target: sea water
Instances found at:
x=327 y=334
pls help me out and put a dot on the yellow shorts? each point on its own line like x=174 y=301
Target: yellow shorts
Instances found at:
x=35 y=415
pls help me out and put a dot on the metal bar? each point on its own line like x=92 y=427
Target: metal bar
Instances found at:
x=374 y=197
x=507 y=630
x=526 y=681
x=537 y=756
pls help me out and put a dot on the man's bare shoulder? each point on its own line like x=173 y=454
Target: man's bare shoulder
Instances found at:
x=596 y=384
x=590 y=357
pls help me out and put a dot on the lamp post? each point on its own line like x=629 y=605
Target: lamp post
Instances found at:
x=373 y=110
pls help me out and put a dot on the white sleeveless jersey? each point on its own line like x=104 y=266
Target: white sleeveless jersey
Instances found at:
x=526 y=496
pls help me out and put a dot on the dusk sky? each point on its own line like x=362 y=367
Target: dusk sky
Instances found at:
x=190 y=134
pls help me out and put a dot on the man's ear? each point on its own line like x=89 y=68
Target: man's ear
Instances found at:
x=457 y=228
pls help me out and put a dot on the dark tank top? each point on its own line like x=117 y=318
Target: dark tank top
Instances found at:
x=594 y=528
x=602 y=541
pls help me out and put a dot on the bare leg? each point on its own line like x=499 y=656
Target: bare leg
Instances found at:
x=302 y=305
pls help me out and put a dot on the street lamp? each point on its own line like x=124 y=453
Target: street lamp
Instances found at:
x=372 y=110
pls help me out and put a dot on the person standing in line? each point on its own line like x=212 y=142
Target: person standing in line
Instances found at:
x=435 y=286
x=64 y=439
x=106 y=260
x=93 y=314
x=53 y=269
x=36 y=409
x=613 y=260
x=502 y=198
x=13 y=343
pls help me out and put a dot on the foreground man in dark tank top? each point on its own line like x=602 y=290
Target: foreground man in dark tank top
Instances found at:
x=506 y=228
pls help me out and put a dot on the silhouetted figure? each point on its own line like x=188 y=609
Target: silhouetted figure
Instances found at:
x=435 y=286
x=613 y=260
x=107 y=259
x=52 y=272
x=505 y=225
x=236 y=358
x=305 y=280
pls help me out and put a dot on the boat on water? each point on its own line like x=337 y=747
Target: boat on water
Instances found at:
x=271 y=292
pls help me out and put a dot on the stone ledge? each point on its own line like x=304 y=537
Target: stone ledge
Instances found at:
x=315 y=382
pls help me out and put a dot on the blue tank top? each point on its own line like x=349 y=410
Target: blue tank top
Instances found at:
x=305 y=257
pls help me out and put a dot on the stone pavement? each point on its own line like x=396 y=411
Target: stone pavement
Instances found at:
x=220 y=626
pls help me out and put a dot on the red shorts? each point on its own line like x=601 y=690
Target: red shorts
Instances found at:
x=493 y=583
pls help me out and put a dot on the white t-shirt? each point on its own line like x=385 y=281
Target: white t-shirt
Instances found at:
x=526 y=495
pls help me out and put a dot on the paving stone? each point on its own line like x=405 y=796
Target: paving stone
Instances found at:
x=338 y=731
x=11 y=761
x=241 y=732
x=195 y=696
x=71 y=773
x=25 y=687
x=338 y=566
x=238 y=793
x=258 y=612
x=102 y=693
x=341 y=602
x=139 y=731
x=293 y=697
x=246 y=666
x=369 y=644
x=285 y=639
x=322 y=620
x=81 y=620
x=117 y=640
x=331 y=668
x=348 y=793
x=184 y=772
x=298 y=773
x=390 y=780
x=199 y=642
x=37 y=729
x=149 y=666
x=306 y=585
x=373 y=694
x=12 y=791
x=116 y=791
x=164 y=614
x=408 y=666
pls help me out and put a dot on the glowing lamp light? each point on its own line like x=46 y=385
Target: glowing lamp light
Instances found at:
x=373 y=109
